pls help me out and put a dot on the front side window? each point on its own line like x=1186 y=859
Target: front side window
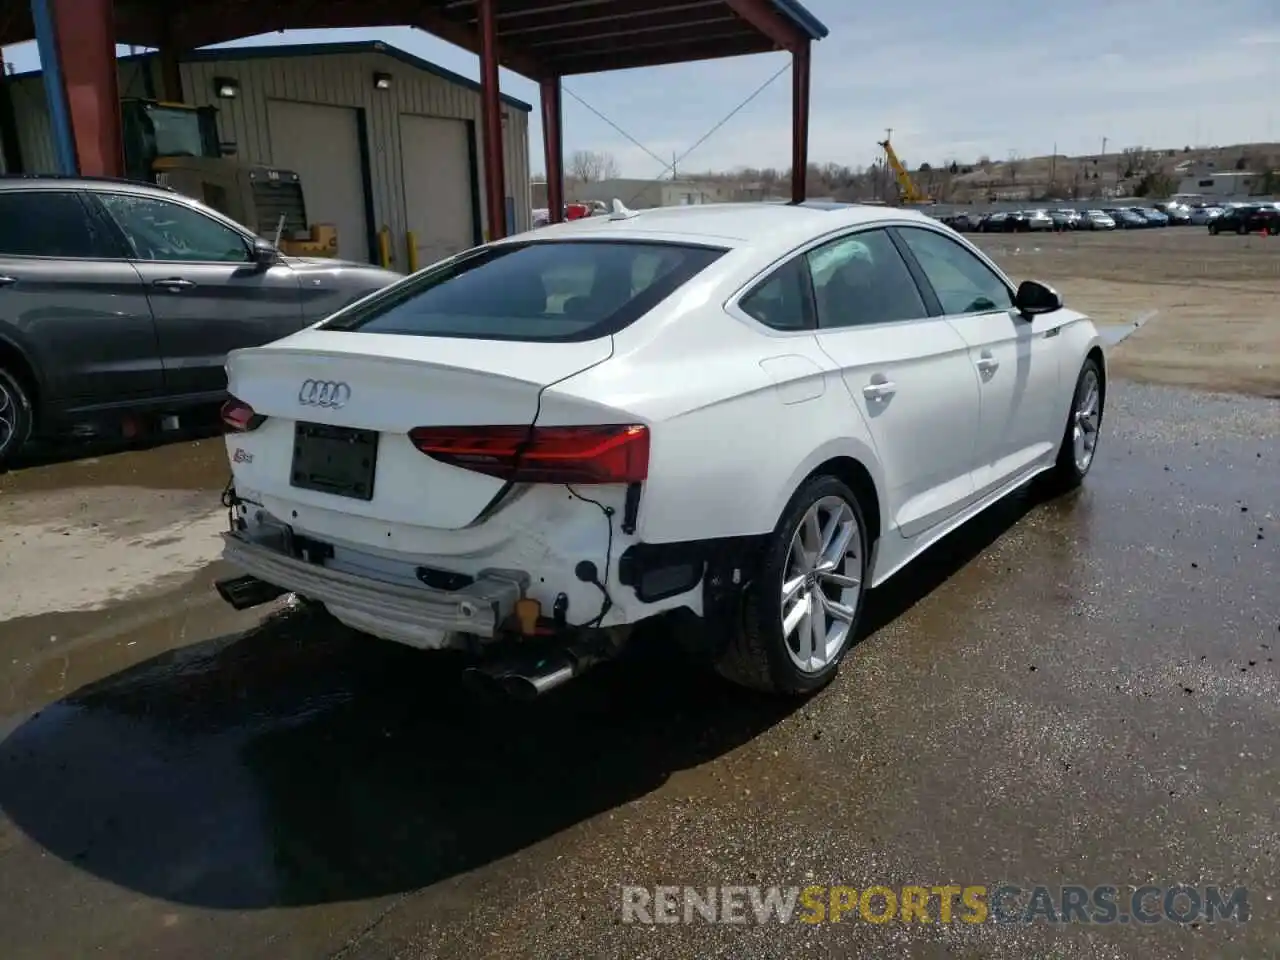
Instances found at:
x=50 y=223
x=540 y=291
x=963 y=283
x=862 y=279
x=161 y=230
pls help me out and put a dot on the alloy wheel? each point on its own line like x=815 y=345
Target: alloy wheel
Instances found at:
x=1087 y=419
x=821 y=584
x=9 y=415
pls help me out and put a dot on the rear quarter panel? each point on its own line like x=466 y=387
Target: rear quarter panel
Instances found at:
x=730 y=443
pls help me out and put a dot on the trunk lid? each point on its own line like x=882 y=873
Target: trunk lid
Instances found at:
x=394 y=383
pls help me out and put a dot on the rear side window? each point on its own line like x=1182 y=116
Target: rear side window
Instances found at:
x=547 y=291
x=50 y=223
x=782 y=301
x=862 y=279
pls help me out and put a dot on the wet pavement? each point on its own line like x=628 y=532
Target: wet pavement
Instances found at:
x=1081 y=690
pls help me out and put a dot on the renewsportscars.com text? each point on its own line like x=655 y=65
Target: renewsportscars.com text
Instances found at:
x=944 y=903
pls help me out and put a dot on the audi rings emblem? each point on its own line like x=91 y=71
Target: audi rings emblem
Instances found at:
x=324 y=393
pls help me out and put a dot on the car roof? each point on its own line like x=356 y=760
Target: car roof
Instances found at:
x=726 y=224
x=36 y=181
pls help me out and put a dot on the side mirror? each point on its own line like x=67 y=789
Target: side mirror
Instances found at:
x=263 y=253
x=1034 y=298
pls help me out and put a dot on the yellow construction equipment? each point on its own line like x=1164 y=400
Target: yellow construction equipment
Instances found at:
x=907 y=192
x=176 y=145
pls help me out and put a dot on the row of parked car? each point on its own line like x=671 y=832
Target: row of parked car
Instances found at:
x=1230 y=217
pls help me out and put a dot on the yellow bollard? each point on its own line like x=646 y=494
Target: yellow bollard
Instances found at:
x=411 y=241
x=384 y=247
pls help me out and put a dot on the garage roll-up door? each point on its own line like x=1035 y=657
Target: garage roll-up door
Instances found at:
x=322 y=145
x=438 y=188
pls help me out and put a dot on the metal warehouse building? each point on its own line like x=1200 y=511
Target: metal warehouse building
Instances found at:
x=380 y=138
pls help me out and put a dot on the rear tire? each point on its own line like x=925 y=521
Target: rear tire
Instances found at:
x=801 y=614
x=1084 y=426
x=16 y=417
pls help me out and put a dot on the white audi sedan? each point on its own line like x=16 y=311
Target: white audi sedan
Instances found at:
x=739 y=417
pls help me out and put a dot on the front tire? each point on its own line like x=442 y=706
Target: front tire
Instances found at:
x=801 y=614
x=1084 y=425
x=15 y=417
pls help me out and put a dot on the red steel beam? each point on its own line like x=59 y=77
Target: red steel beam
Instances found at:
x=86 y=42
x=571 y=63
x=495 y=180
x=799 y=123
x=209 y=23
x=553 y=146
x=762 y=15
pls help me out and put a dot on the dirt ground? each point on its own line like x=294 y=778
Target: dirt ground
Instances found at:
x=1216 y=300
x=1073 y=690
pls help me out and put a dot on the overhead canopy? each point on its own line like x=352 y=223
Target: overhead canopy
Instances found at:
x=537 y=38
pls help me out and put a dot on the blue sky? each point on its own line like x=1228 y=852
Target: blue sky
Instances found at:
x=953 y=80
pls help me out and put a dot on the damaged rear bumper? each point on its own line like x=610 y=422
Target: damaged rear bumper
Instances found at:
x=420 y=616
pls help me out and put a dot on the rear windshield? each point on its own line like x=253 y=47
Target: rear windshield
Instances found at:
x=540 y=291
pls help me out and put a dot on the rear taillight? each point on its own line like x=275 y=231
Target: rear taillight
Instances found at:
x=596 y=454
x=238 y=417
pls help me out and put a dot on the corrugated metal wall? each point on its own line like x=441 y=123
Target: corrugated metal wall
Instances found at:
x=337 y=79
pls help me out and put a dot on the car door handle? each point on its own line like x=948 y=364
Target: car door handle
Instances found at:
x=8 y=281
x=987 y=364
x=173 y=284
x=882 y=390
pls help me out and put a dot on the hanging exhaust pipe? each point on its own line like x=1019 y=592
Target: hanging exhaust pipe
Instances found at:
x=247 y=591
x=529 y=676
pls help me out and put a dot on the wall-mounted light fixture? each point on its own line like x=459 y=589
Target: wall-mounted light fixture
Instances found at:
x=226 y=88
x=382 y=81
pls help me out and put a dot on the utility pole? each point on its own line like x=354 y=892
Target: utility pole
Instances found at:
x=1104 y=148
x=1053 y=166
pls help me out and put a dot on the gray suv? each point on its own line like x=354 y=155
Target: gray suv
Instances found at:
x=121 y=299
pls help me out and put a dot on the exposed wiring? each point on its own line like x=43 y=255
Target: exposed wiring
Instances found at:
x=607 y=603
x=229 y=501
x=523 y=448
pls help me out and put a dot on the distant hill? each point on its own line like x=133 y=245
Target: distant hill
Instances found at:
x=1093 y=175
x=1126 y=172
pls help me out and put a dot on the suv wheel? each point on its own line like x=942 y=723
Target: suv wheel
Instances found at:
x=15 y=416
x=801 y=614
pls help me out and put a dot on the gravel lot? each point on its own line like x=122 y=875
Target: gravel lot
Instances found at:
x=1076 y=691
x=1216 y=324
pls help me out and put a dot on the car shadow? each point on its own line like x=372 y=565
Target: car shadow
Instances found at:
x=47 y=452
x=946 y=557
x=301 y=763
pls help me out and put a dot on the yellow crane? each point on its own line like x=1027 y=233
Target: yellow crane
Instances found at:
x=906 y=186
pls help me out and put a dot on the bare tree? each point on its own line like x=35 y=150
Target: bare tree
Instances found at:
x=592 y=166
x=1012 y=165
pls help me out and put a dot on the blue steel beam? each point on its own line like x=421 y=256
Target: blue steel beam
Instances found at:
x=64 y=147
